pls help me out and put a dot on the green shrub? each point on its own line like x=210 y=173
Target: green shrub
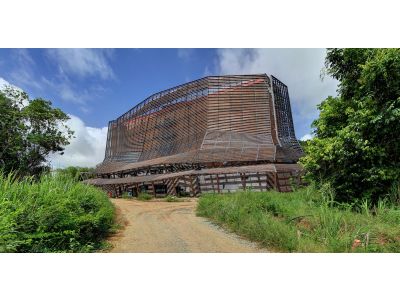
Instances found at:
x=54 y=214
x=143 y=196
x=126 y=195
x=305 y=221
x=356 y=141
x=170 y=198
x=394 y=193
x=75 y=172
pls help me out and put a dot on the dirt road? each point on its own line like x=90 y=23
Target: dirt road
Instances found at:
x=171 y=227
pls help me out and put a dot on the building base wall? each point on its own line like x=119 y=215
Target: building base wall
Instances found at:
x=194 y=185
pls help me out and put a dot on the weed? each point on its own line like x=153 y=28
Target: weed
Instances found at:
x=307 y=220
x=143 y=196
x=126 y=195
x=52 y=214
x=394 y=194
x=170 y=198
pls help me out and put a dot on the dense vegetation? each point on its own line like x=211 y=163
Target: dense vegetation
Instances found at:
x=356 y=142
x=307 y=220
x=352 y=165
x=76 y=173
x=29 y=131
x=52 y=214
x=40 y=212
x=143 y=196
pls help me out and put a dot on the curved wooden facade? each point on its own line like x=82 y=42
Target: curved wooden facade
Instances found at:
x=214 y=123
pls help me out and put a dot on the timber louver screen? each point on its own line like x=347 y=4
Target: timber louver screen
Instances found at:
x=166 y=123
x=213 y=122
x=285 y=127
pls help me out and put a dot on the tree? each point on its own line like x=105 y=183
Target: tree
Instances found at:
x=356 y=146
x=303 y=144
x=29 y=131
x=76 y=173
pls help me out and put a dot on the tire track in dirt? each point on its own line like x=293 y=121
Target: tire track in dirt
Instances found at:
x=157 y=226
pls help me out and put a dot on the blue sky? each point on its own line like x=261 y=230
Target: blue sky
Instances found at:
x=97 y=85
x=121 y=78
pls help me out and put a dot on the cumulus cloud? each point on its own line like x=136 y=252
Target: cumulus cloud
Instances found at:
x=68 y=91
x=3 y=83
x=72 y=65
x=306 y=137
x=83 y=62
x=85 y=150
x=87 y=147
x=299 y=69
x=13 y=92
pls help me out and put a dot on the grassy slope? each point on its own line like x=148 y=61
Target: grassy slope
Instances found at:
x=302 y=221
x=55 y=214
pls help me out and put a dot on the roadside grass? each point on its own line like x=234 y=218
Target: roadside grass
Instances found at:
x=306 y=220
x=144 y=196
x=126 y=195
x=147 y=197
x=53 y=214
x=170 y=198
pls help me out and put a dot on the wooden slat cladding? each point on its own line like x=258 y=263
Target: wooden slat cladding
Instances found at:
x=166 y=123
x=239 y=104
x=217 y=180
x=290 y=146
x=207 y=125
x=239 y=117
x=235 y=109
x=176 y=129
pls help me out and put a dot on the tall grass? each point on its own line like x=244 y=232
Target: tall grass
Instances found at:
x=143 y=196
x=54 y=214
x=307 y=220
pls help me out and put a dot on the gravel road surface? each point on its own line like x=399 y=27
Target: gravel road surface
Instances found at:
x=171 y=227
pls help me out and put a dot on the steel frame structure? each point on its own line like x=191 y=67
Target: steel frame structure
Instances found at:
x=203 y=136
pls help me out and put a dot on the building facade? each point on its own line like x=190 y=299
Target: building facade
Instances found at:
x=215 y=134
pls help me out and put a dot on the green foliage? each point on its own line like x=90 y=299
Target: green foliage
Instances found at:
x=75 y=173
x=356 y=145
x=303 y=144
x=305 y=221
x=52 y=214
x=170 y=198
x=143 y=196
x=29 y=131
x=394 y=193
x=126 y=195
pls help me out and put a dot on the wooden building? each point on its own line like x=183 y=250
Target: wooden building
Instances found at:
x=215 y=134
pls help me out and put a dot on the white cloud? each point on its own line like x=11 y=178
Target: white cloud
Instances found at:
x=24 y=57
x=25 y=77
x=85 y=150
x=185 y=53
x=23 y=74
x=83 y=62
x=3 y=83
x=14 y=93
x=66 y=92
x=306 y=137
x=71 y=63
x=299 y=69
x=207 y=72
